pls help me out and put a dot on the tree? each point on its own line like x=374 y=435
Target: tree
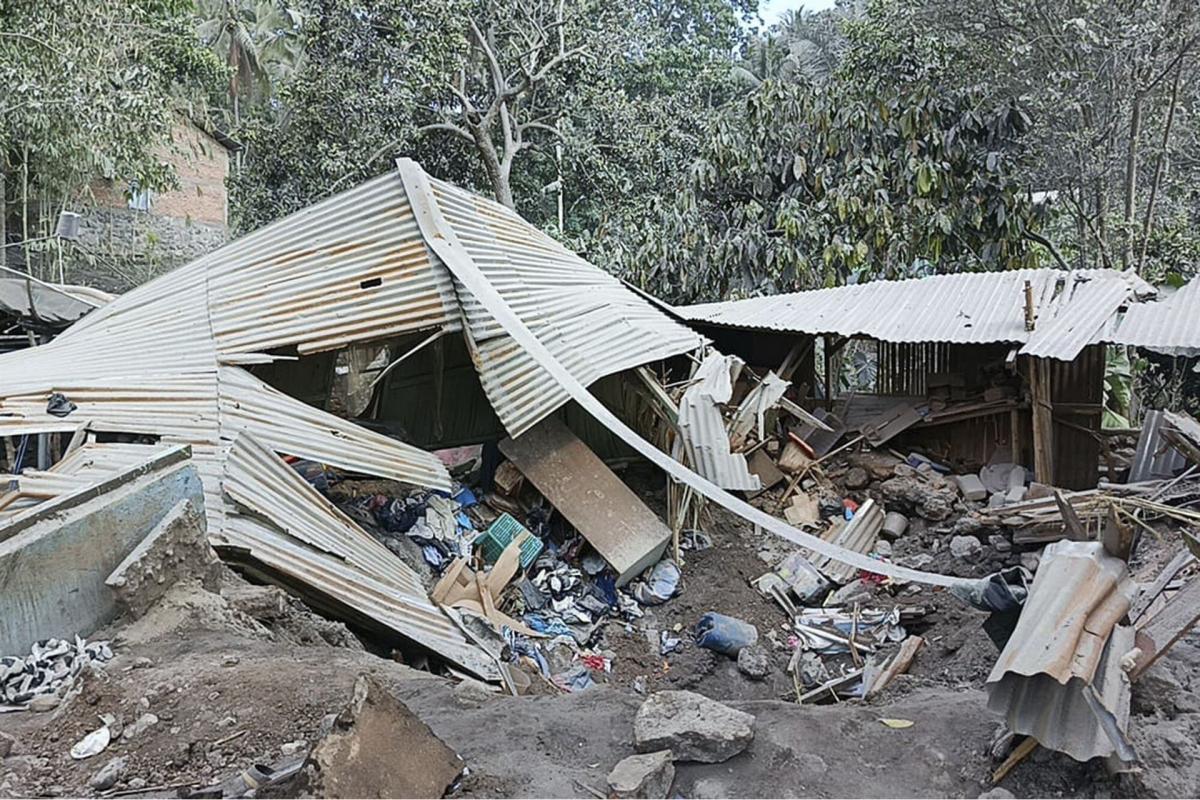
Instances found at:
x=614 y=121
x=259 y=41
x=355 y=102
x=91 y=90
x=496 y=104
x=885 y=170
x=1097 y=78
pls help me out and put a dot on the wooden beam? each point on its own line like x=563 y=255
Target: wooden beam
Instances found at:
x=1155 y=637
x=1043 y=421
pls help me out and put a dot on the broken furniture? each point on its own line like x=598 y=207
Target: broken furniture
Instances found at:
x=614 y=520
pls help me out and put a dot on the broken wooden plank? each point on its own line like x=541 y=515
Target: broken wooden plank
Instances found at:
x=890 y=423
x=614 y=520
x=1075 y=528
x=897 y=666
x=1160 y=632
x=769 y=474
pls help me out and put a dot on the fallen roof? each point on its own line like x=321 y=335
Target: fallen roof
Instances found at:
x=167 y=360
x=1170 y=325
x=1074 y=309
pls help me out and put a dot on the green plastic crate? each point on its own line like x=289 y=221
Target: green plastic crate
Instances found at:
x=501 y=533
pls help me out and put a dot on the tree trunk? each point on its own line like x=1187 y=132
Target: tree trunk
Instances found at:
x=3 y=218
x=1131 y=167
x=1160 y=167
x=497 y=175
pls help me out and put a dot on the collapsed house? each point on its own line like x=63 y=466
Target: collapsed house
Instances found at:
x=171 y=363
x=436 y=318
x=978 y=366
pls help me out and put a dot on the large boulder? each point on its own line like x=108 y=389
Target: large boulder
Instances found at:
x=692 y=727
x=646 y=775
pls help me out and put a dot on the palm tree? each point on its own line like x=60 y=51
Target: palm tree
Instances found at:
x=259 y=41
x=802 y=44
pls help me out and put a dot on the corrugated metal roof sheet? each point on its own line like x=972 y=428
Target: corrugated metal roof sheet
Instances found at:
x=968 y=308
x=702 y=433
x=354 y=268
x=1060 y=646
x=591 y=322
x=290 y=527
x=1170 y=326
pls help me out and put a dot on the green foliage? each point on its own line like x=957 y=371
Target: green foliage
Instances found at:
x=91 y=89
x=356 y=101
x=883 y=170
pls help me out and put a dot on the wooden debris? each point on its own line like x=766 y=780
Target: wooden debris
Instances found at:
x=1151 y=592
x=1019 y=754
x=1160 y=632
x=897 y=666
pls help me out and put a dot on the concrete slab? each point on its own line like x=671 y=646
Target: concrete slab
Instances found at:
x=53 y=568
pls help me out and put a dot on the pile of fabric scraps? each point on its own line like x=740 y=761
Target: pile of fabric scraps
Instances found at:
x=51 y=666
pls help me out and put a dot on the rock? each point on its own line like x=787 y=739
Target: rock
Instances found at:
x=996 y=500
x=7 y=745
x=994 y=477
x=855 y=590
x=894 y=525
x=230 y=661
x=903 y=470
x=358 y=755
x=930 y=501
x=137 y=783
x=1016 y=478
x=141 y=662
x=176 y=550
x=997 y=794
x=692 y=727
x=1000 y=543
x=471 y=693
x=856 y=478
x=971 y=487
x=108 y=775
x=644 y=775
x=44 y=702
x=1015 y=495
x=1030 y=561
x=143 y=723
x=754 y=662
x=883 y=548
x=966 y=548
x=291 y=748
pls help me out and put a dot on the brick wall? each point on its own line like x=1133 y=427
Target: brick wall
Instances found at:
x=119 y=247
x=201 y=164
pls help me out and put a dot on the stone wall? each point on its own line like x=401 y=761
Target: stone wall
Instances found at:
x=119 y=248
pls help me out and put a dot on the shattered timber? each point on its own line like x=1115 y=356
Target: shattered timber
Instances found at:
x=399 y=497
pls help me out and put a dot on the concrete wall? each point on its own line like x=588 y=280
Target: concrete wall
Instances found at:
x=54 y=561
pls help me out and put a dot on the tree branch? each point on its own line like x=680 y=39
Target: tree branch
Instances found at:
x=447 y=126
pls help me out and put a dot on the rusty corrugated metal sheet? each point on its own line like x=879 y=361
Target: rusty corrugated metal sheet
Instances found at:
x=1060 y=646
x=287 y=525
x=1170 y=326
x=351 y=268
x=586 y=317
x=1072 y=308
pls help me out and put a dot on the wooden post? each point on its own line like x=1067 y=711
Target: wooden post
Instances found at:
x=1043 y=421
x=828 y=350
